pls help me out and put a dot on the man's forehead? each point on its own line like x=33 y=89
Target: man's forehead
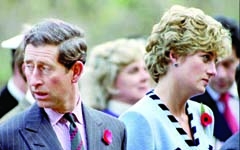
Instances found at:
x=41 y=53
x=228 y=60
x=41 y=50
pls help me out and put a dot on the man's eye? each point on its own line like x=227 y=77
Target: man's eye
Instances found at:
x=29 y=67
x=227 y=64
x=45 y=69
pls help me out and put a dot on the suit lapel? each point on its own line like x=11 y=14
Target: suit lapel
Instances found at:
x=93 y=127
x=38 y=131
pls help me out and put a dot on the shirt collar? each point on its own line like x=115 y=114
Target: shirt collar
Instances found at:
x=215 y=95
x=15 y=91
x=233 y=90
x=29 y=97
x=77 y=111
x=55 y=117
x=118 y=107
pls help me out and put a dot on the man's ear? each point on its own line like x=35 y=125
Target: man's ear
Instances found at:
x=77 y=70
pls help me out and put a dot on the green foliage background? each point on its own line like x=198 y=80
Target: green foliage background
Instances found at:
x=102 y=20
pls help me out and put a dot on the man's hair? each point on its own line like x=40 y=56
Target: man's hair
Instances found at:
x=231 y=25
x=69 y=39
x=19 y=59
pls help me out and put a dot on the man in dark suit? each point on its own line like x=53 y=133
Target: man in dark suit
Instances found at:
x=12 y=93
x=54 y=57
x=224 y=82
x=232 y=143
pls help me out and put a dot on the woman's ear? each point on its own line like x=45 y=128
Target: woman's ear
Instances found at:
x=77 y=69
x=173 y=57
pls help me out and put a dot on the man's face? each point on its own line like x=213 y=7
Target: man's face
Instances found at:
x=225 y=74
x=49 y=81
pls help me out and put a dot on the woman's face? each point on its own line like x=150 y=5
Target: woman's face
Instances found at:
x=132 y=82
x=195 y=72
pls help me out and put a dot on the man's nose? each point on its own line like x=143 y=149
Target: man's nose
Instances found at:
x=221 y=71
x=35 y=78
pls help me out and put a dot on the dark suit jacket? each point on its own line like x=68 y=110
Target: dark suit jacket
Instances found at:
x=7 y=101
x=237 y=77
x=221 y=129
x=22 y=105
x=32 y=130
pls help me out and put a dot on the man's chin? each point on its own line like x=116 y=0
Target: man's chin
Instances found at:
x=42 y=104
x=222 y=89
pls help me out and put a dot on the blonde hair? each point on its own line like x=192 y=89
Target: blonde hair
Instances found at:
x=185 y=31
x=104 y=63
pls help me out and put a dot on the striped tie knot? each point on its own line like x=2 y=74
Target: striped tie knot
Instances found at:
x=70 y=117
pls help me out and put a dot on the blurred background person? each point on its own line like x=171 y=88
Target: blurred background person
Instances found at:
x=28 y=99
x=15 y=90
x=182 y=50
x=221 y=94
x=237 y=77
x=232 y=143
x=115 y=77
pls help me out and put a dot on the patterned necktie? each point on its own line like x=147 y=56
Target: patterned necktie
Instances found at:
x=225 y=97
x=75 y=136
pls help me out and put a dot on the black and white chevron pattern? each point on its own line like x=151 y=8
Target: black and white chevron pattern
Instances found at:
x=191 y=143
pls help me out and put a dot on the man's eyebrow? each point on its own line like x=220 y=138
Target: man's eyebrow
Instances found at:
x=26 y=61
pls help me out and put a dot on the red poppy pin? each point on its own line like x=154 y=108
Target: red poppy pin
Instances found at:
x=206 y=119
x=107 y=136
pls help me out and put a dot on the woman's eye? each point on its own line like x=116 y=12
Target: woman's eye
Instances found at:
x=206 y=58
x=133 y=70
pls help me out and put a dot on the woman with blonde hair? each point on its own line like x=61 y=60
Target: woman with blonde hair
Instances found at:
x=116 y=76
x=181 y=57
